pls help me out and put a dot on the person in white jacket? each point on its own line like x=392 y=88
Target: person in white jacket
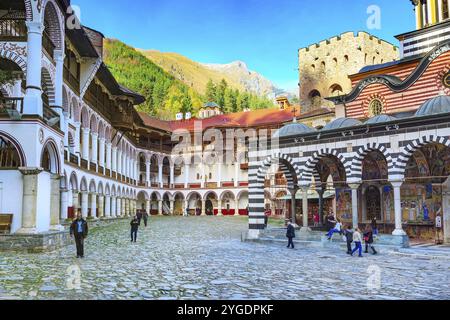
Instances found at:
x=357 y=239
x=337 y=229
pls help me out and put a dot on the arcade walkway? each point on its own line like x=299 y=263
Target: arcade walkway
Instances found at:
x=203 y=258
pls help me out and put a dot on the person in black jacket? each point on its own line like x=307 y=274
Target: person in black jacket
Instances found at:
x=145 y=217
x=134 y=228
x=368 y=239
x=79 y=230
x=139 y=216
x=290 y=235
x=348 y=233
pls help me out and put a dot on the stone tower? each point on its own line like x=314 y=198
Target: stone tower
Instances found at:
x=325 y=66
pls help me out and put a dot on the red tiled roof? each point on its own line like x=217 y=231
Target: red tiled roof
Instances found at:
x=253 y=118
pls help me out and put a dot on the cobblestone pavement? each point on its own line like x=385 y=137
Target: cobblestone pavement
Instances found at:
x=203 y=258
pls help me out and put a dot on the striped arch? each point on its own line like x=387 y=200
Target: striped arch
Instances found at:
x=29 y=10
x=310 y=167
x=412 y=147
x=14 y=57
x=356 y=167
x=287 y=166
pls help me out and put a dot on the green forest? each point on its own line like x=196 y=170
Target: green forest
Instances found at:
x=165 y=95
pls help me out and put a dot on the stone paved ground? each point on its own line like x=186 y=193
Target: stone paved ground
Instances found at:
x=203 y=258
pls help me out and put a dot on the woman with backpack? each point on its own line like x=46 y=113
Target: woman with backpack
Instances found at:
x=357 y=239
x=368 y=239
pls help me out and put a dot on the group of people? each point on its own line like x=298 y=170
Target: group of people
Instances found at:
x=79 y=229
x=350 y=236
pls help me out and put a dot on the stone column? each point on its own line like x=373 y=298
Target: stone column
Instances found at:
x=108 y=156
x=94 y=205
x=160 y=175
x=119 y=162
x=75 y=201
x=236 y=209
x=219 y=175
x=355 y=187
x=186 y=176
x=305 y=208
x=219 y=208
x=321 y=192
x=398 y=209
x=294 y=207
x=172 y=207
x=147 y=206
x=101 y=155
x=363 y=204
x=160 y=207
x=84 y=204
x=114 y=159
x=58 y=105
x=30 y=200
x=101 y=206
x=33 y=96
x=113 y=207
x=55 y=202
x=127 y=207
x=107 y=206
x=203 y=207
x=85 y=142
x=202 y=174
x=64 y=203
x=236 y=173
x=383 y=218
x=172 y=176
x=147 y=174
x=94 y=154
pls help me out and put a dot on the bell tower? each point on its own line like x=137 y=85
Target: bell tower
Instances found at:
x=430 y=12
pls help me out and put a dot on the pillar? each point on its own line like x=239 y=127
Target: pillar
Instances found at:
x=203 y=207
x=93 y=205
x=114 y=159
x=305 y=208
x=236 y=173
x=364 y=204
x=398 y=209
x=219 y=207
x=321 y=192
x=64 y=203
x=84 y=204
x=58 y=106
x=160 y=175
x=160 y=207
x=30 y=200
x=101 y=155
x=94 y=154
x=236 y=207
x=101 y=206
x=33 y=100
x=108 y=156
x=186 y=176
x=147 y=173
x=55 y=202
x=75 y=202
x=113 y=206
x=107 y=206
x=85 y=142
x=355 y=187
x=172 y=176
x=294 y=207
x=172 y=207
x=147 y=206
x=219 y=174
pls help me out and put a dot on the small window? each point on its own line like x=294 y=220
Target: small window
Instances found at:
x=445 y=13
x=375 y=107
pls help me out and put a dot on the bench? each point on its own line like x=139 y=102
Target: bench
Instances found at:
x=5 y=223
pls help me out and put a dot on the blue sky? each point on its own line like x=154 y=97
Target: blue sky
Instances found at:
x=265 y=34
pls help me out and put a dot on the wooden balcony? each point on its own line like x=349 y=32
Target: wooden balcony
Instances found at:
x=73 y=159
x=13 y=30
x=122 y=120
x=48 y=45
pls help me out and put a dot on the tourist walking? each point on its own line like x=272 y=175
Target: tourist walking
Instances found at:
x=145 y=218
x=134 y=228
x=337 y=229
x=368 y=239
x=330 y=221
x=79 y=230
x=290 y=234
x=139 y=216
x=348 y=234
x=357 y=239
x=375 y=226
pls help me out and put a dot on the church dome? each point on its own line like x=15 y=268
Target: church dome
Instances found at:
x=382 y=118
x=342 y=123
x=436 y=105
x=293 y=129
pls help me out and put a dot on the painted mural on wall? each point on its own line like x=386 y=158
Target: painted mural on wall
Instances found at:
x=344 y=204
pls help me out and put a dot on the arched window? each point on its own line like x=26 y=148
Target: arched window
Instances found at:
x=46 y=161
x=335 y=61
x=323 y=64
x=375 y=107
x=346 y=58
x=313 y=67
x=9 y=156
x=336 y=89
x=314 y=94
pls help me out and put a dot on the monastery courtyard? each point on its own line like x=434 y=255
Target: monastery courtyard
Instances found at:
x=204 y=258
